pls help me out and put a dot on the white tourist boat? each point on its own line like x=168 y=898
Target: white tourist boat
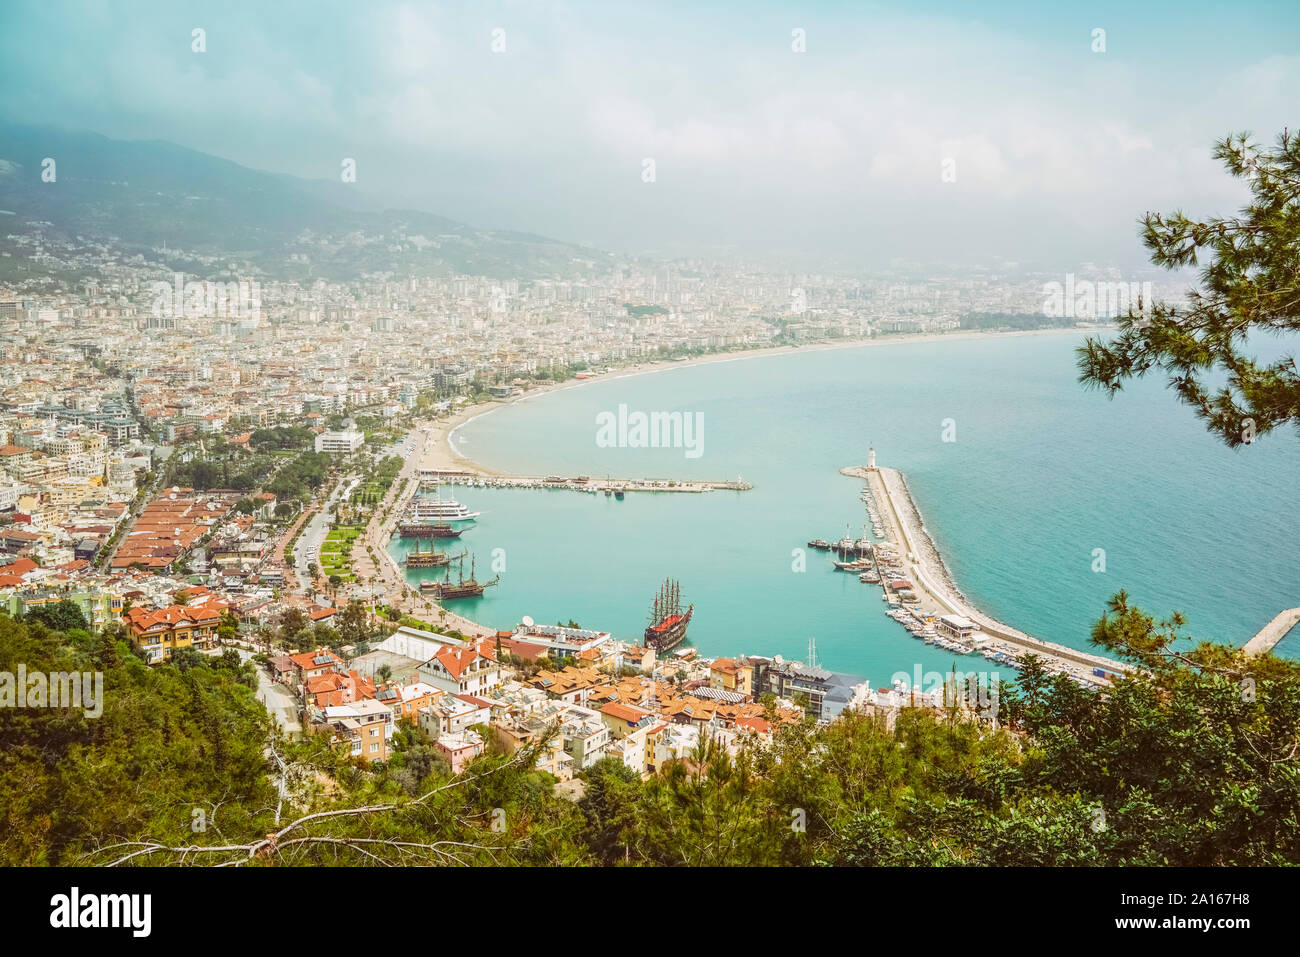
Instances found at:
x=433 y=510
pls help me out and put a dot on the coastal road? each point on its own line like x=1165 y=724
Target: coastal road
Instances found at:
x=278 y=700
x=282 y=705
x=314 y=535
x=384 y=573
x=381 y=572
x=281 y=546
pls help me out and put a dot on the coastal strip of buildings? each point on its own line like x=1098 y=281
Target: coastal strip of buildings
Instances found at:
x=587 y=694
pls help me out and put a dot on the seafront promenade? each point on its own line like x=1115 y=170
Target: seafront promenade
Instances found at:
x=935 y=587
x=384 y=571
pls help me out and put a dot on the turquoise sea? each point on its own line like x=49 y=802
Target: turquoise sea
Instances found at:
x=1040 y=475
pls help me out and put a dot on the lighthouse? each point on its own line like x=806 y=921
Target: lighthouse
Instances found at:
x=871 y=458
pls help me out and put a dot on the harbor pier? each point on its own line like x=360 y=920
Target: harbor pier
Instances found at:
x=432 y=477
x=934 y=586
x=1272 y=633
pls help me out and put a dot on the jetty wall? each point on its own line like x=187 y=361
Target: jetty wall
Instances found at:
x=930 y=574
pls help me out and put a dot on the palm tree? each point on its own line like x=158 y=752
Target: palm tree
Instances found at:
x=383 y=673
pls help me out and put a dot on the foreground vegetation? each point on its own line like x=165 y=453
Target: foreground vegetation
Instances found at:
x=1194 y=761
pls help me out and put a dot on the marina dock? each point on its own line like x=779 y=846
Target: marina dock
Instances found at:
x=934 y=588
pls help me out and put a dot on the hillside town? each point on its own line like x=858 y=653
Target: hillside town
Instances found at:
x=165 y=446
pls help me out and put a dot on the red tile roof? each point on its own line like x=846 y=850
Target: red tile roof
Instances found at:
x=456 y=660
x=623 y=712
x=144 y=619
x=20 y=567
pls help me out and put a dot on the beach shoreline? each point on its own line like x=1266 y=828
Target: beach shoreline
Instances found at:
x=941 y=593
x=440 y=453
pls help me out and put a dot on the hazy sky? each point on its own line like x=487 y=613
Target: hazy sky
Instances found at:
x=833 y=155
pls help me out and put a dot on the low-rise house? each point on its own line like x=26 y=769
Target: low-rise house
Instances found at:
x=728 y=674
x=585 y=735
x=366 y=725
x=635 y=749
x=459 y=748
x=451 y=714
x=570 y=685
x=463 y=670
x=623 y=719
x=334 y=688
x=14 y=540
x=673 y=742
x=158 y=633
x=310 y=664
x=282 y=668
x=321 y=614
x=513 y=731
x=638 y=656
x=408 y=700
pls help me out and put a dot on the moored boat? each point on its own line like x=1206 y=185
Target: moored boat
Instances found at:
x=439 y=510
x=428 y=530
x=667 y=625
x=470 y=587
x=426 y=559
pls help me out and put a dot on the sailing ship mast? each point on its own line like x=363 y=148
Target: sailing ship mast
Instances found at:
x=667 y=625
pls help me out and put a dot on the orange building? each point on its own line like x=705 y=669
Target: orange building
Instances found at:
x=168 y=528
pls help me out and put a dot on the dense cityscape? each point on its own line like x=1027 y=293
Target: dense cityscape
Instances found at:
x=271 y=420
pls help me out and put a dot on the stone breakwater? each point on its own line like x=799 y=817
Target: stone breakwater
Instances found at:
x=940 y=595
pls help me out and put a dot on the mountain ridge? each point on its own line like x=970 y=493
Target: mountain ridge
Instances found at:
x=145 y=194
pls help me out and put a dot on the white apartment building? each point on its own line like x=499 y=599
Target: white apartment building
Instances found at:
x=462 y=671
x=586 y=736
x=344 y=442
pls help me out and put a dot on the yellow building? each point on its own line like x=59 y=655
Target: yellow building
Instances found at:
x=732 y=675
x=159 y=633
